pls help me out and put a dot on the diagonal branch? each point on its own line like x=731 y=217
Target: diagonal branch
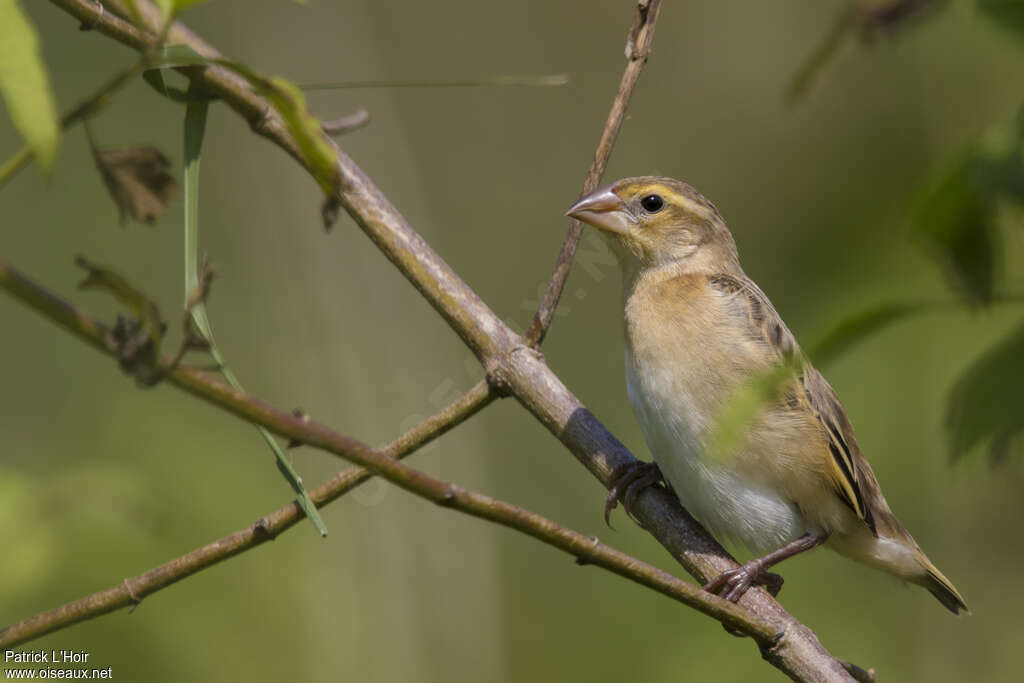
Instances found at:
x=638 y=48
x=510 y=363
x=384 y=463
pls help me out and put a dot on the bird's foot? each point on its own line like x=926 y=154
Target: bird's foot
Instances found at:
x=627 y=483
x=732 y=584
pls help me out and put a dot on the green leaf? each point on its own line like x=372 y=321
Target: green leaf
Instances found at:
x=286 y=98
x=742 y=408
x=171 y=8
x=1007 y=14
x=171 y=57
x=195 y=130
x=956 y=221
x=814 y=65
x=858 y=327
x=985 y=403
x=25 y=86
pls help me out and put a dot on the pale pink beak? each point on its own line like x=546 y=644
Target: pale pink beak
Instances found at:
x=603 y=209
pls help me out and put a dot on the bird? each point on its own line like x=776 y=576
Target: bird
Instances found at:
x=696 y=330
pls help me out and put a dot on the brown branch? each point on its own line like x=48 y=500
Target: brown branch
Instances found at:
x=131 y=592
x=510 y=363
x=587 y=550
x=638 y=48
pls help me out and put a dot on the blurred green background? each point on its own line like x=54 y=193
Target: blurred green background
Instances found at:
x=100 y=481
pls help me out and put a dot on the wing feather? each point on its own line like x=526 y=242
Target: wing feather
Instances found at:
x=848 y=472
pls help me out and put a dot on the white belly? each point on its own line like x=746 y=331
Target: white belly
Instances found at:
x=729 y=502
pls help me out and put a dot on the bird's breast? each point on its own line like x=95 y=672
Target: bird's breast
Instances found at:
x=683 y=361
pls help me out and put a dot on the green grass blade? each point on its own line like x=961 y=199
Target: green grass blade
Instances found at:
x=195 y=128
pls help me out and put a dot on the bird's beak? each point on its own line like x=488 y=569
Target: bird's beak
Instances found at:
x=603 y=209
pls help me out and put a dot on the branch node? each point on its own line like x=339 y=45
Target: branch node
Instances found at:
x=497 y=368
x=583 y=561
x=860 y=675
x=261 y=530
x=136 y=599
x=306 y=419
x=448 y=499
x=767 y=651
x=95 y=20
x=260 y=124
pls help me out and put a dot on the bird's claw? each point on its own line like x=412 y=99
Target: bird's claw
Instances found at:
x=733 y=583
x=628 y=482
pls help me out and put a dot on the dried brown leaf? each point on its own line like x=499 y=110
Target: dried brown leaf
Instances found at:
x=138 y=179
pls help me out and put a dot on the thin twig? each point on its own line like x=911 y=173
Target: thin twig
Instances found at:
x=507 y=358
x=638 y=48
x=130 y=592
x=447 y=494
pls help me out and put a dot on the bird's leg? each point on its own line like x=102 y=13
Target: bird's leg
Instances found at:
x=627 y=483
x=732 y=584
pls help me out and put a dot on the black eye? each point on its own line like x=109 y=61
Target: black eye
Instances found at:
x=652 y=203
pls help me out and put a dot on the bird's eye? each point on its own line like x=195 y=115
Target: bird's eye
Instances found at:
x=652 y=203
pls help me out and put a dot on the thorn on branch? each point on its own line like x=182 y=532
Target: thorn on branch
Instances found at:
x=346 y=124
x=859 y=674
x=329 y=211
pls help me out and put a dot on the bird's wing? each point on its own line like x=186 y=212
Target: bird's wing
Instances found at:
x=849 y=473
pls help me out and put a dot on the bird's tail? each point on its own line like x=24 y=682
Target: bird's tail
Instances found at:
x=941 y=587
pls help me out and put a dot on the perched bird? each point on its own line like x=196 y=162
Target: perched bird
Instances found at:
x=696 y=329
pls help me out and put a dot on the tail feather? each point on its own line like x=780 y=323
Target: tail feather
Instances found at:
x=943 y=589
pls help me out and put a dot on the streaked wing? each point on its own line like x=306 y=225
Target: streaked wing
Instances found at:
x=849 y=473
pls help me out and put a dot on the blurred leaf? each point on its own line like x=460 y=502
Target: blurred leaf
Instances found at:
x=286 y=98
x=985 y=404
x=956 y=221
x=877 y=15
x=866 y=18
x=741 y=409
x=195 y=131
x=171 y=8
x=141 y=306
x=171 y=57
x=858 y=327
x=812 y=68
x=138 y=179
x=1009 y=14
x=30 y=561
x=25 y=86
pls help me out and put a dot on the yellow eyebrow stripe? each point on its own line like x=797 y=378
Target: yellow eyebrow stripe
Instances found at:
x=674 y=197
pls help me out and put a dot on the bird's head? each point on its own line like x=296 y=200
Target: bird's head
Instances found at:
x=653 y=221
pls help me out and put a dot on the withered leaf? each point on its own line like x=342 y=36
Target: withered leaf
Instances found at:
x=138 y=179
